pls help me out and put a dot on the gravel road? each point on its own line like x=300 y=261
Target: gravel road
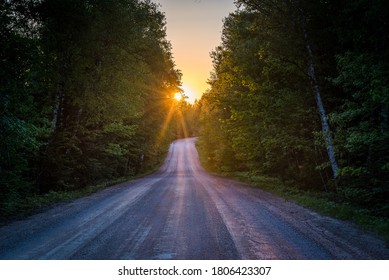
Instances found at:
x=182 y=212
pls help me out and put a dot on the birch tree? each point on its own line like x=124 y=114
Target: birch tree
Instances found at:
x=281 y=14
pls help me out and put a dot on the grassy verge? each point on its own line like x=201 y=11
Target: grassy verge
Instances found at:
x=34 y=204
x=319 y=202
x=23 y=208
x=17 y=209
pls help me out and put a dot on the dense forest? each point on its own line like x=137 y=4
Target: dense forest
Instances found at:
x=86 y=91
x=300 y=91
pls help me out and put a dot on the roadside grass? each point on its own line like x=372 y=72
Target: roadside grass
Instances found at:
x=22 y=208
x=319 y=202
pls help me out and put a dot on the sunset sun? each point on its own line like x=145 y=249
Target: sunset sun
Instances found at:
x=178 y=96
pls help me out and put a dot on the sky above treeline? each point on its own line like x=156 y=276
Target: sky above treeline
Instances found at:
x=194 y=29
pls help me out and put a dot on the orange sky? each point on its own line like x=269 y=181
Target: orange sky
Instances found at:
x=194 y=30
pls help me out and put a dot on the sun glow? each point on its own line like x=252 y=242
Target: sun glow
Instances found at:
x=178 y=96
x=189 y=94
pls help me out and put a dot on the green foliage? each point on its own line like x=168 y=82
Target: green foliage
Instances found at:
x=86 y=87
x=22 y=122
x=260 y=105
x=363 y=134
x=361 y=118
x=260 y=115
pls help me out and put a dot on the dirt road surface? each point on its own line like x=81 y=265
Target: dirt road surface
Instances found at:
x=182 y=212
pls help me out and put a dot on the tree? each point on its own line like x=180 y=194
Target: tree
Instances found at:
x=111 y=62
x=22 y=102
x=295 y=13
x=361 y=119
x=261 y=92
x=264 y=117
x=86 y=86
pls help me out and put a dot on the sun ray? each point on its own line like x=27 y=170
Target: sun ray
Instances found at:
x=165 y=125
x=183 y=125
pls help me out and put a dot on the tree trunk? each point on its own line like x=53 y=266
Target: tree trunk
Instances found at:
x=320 y=106
x=59 y=102
x=267 y=7
x=57 y=110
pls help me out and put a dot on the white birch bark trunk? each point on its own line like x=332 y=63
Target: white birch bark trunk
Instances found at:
x=320 y=106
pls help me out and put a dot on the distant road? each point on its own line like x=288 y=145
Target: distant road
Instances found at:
x=182 y=212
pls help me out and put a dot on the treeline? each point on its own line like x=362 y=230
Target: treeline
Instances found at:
x=300 y=91
x=86 y=93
